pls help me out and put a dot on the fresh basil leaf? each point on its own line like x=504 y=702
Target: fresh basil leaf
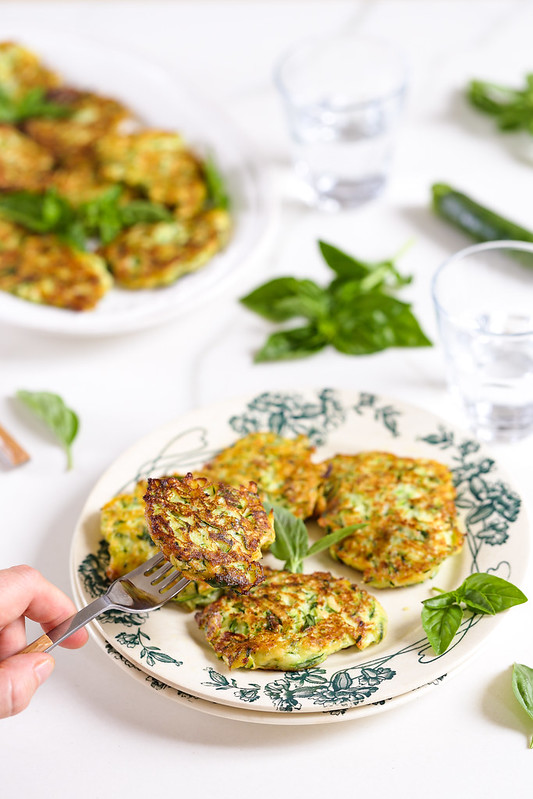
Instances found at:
x=287 y=344
x=489 y=594
x=216 y=187
x=523 y=687
x=14 y=110
x=143 y=211
x=286 y=297
x=373 y=322
x=45 y=212
x=60 y=419
x=441 y=624
x=292 y=542
x=343 y=265
x=443 y=600
x=333 y=538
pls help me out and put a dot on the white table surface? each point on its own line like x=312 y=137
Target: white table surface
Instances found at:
x=93 y=732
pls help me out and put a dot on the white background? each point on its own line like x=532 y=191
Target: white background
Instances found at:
x=91 y=731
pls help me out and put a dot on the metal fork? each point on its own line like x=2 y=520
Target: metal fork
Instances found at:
x=145 y=588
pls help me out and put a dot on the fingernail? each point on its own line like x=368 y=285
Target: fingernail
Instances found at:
x=43 y=668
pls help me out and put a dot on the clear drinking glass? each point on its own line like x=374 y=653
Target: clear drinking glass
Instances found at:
x=484 y=302
x=342 y=96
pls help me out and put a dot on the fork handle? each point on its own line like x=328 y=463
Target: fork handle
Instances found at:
x=40 y=645
x=71 y=625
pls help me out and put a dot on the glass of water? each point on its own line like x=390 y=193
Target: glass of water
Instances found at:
x=484 y=302
x=343 y=97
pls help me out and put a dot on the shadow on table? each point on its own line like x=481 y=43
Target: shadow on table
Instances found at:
x=500 y=706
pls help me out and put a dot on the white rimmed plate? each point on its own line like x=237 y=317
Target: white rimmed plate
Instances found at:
x=162 y=100
x=167 y=645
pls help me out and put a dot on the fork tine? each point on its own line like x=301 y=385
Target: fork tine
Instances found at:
x=161 y=573
x=170 y=582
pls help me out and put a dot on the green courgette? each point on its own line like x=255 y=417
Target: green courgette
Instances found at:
x=477 y=221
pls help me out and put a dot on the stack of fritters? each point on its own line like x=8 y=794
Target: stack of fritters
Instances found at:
x=408 y=508
x=81 y=155
x=290 y=621
x=124 y=528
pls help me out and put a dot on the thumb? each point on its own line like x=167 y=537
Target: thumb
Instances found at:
x=20 y=676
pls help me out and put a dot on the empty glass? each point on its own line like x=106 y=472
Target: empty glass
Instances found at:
x=342 y=96
x=484 y=302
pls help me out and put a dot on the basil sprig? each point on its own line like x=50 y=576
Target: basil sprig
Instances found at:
x=523 y=689
x=103 y=218
x=60 y=419
x=481 y=593
x=511 y=108
x=14 y=110
x=292 y=541
x=357 y=313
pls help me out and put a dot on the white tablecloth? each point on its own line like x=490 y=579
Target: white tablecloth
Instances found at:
x=93 y=732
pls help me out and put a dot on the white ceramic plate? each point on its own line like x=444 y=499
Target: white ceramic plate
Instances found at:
x=161 y=100
x=167 y=644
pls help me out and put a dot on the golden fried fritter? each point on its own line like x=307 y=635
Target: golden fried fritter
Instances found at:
x=123 y=526
x=21 y=70
x=23 y=162
x=72 y=139
x=146 y=256
x=208 y=531
x=78 y=183
x=158 y=163
x=11 y=235
x=281 y=467
x=291 y=621
x=44 y=270
x=408 y=506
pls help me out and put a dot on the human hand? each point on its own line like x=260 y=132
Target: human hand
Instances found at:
x=25 y=592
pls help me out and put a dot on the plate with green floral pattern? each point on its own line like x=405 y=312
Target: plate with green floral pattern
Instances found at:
x=167 y=645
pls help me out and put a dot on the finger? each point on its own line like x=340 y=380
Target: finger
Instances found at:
x=25 y=592
x=12 y=638
x=20 y=676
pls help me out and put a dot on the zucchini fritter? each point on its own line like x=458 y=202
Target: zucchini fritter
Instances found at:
x=409 y=508
x=157 y=162
x=21 y=70
x=73 y=138
x=23 y=162
x=123 y=526
x=146 y=256
x=281 y=467
x=291 y=621
x=11 y=235
x=209 y=531
x=42 y=269
x=78 y=183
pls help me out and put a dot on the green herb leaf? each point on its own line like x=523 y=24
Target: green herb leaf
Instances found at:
x=286 y=297
x=333 y=538
x=440 y=624
x=355 y=313
x=288 y=344
x=489 y=594
x=14 y=110
x=373 y=321
x=512 y=108
x=60 y=419
x=523 y=689
x=216 y=188
x=344 y=265
x=105 y=216
x=292 y=542
x=46 y=212
x=480 y=593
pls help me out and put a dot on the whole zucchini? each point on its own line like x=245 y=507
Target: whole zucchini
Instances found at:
x=477 y=221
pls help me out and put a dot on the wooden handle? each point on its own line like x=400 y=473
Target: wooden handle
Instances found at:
x=11 y=451
x=39 y=645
